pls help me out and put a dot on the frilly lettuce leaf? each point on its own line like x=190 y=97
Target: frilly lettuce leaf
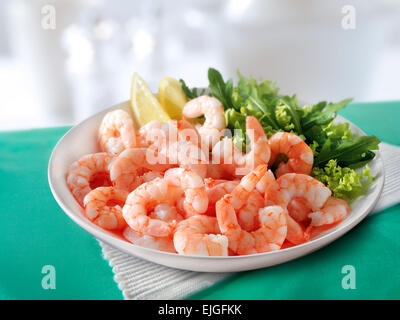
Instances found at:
x=283 y=118
x=345 y=183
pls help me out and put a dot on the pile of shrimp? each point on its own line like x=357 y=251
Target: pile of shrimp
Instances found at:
x=195 y=205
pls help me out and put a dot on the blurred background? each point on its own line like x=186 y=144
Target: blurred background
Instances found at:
x=61 y=75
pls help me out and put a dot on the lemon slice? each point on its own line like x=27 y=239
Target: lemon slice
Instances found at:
x=172 y=97
x=145 y=106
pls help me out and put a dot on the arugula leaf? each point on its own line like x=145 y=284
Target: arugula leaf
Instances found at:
x=350 y=152
x=335 y=107
x=190 y=94
x=219 y=89
x=318 y=107
x=320 y=115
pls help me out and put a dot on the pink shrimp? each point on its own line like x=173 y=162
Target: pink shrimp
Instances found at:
x=297 y=186
x=176 y=143
x=299 y=209
x=300 y=155
x=158 y=243
x=154 y=132
x=89 y=172
x=124 y=170
x=214 y=125
x=333 y=210
x=166 y=212
x=228 y=213
x=237 y=163
x=195 y=199
x=117 y=132
x=247 y=185
x=103 y=206
x=148 y=176
x=142 y=200
x=268 y=237
x=218 y=172
x=200 y=235
x=216 y=189
x=266 y=180
x=186 y=155
x=158 y=134
x=247 y=215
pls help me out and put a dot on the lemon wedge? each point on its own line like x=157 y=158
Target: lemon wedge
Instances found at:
x=172 y=97
x=145 y=106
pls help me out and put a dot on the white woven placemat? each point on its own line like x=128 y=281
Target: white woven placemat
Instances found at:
x=139 y=279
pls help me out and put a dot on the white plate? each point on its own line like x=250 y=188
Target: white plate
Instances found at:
x=82 y=139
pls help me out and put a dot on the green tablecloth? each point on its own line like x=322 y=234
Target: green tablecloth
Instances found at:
x=35 y=232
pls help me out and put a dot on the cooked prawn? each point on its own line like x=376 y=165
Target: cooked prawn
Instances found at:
x=177 y=143
x=268 y=237
x=247 y=185
x=300 y=155
x=186 y=132
x=247 y=200
x=214 y=125
x=299 y=209
x=154 y=132
x=140 y=203
x=166 y=212
x=87 y=173
x=195 y=200
x=218 y=172
x=266 y=180
x=124 y=169
x=333 y=210
x=187 y=155
x=157 y=134
x=247 y=214
x=148 y=176
x=295 y=185
x=158 y=243
x=216 y=189
x=103 y=206
x=200 y=235
x=237 y=163
x=117 y=132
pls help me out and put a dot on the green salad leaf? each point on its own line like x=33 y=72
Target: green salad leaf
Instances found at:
x=345 y=182
x=190 y=93
x=219 y=89
x=322 y=114
x=354 y=153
